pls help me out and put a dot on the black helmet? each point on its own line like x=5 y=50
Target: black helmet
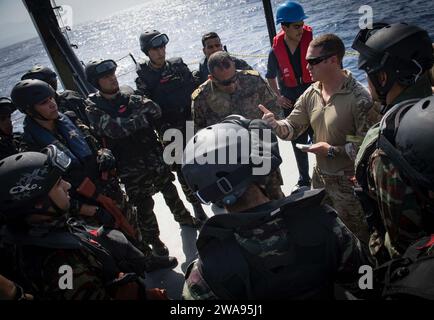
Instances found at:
x=403 y=51
x=29 y=176
x=152 y=39
x=221 y=161
x=6 y=106
x=27 y=93
x=97 y=69
x=415 y=141
x=43 y=73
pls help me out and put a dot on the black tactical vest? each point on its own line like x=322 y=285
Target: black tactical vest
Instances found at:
x=301 y=267
x=408 y=277
x=171 y=88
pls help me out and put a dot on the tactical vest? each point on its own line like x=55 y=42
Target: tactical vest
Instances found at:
x=111 y=249
x=32 y=249
x=301 y=267
x=70 y=140
x=411 y=276
x=170 y=88
x=137 y=145
x=376 y=138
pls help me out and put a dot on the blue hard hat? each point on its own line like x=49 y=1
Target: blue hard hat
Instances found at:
x=290 y=12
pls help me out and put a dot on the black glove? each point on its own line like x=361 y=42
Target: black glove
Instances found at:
x=135 y=102
x=104 y=217
x=140 y=121
x=152 y=109
x=105 y=160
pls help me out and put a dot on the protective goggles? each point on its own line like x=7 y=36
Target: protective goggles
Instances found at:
x=6 y=106
x=57 y=158
x=369 y=54
x=106 y=66
x=159 y=41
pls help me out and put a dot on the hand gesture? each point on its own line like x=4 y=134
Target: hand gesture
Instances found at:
x=268 y=116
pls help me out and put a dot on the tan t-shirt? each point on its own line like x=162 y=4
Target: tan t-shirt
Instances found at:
x=340 y=122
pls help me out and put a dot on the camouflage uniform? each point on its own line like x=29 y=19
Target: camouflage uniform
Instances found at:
x=8 y=145
x=40 y=252
x=211 y=106
x=282 y=244
x=402 y=216
x=69 y=100
x=342 y=123
x=107 y=185
x=123 y=125
x=170 y=87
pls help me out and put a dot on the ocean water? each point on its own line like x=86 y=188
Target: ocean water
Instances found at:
x=241 y=25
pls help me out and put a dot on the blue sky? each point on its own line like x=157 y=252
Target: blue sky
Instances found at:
x=17 y=26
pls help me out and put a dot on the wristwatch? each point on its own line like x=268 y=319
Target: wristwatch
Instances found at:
x=331 y=152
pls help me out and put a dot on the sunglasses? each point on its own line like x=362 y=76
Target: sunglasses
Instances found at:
x=228 y=82
x=315 y=61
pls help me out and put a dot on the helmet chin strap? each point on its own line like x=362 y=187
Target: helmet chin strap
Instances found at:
x=46 y=204
x=49 y=203
x=59 y=211
x=36 y=115
x=382 y=91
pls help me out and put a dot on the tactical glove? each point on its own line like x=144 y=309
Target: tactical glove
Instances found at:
x=105 y=160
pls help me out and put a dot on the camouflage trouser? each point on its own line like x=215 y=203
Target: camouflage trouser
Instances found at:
x=112 y=189
x=141 y=185
x=340 y=196
x=273 y=185
x=189 y=195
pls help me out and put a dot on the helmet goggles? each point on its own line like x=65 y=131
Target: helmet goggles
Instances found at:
x=159 y=40
x=57 y=158
x=105 y=67
x=373 y=60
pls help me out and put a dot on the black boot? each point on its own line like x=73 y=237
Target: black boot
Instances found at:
x=199 y=213
x=154 y=263
x=159 y=248
x=301 y=186
x=189 y=221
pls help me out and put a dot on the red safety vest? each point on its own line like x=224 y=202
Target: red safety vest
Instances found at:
x=286 y=70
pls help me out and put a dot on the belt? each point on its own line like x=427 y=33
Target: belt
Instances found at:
x=348 y=173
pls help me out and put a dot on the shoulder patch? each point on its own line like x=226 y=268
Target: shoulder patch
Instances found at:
x=196 y=92
x=175 y=60
x=251 y=72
